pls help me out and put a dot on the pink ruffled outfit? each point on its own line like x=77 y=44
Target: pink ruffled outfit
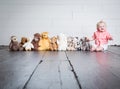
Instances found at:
x=101 y=38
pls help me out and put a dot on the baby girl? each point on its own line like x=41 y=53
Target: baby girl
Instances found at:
x=101 y=37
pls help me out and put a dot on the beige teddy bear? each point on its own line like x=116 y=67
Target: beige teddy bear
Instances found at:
x=44 y=43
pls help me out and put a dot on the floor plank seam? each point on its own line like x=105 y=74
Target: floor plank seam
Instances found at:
x=75 y=75
x=25 y=86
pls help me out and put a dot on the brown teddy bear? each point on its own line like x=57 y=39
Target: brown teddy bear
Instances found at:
x=14 y=45
x=53 y=44
x=23 y=41
x=35 y=41
x=44 y=43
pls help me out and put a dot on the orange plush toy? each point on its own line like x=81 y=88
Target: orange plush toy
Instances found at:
x=53 y=44
x=44 y=43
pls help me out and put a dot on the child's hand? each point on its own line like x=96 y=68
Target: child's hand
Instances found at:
x=110 y=38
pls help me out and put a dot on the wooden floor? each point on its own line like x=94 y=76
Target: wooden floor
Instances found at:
x=60 y=69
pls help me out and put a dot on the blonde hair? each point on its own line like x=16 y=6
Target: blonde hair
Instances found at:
x=97 y=25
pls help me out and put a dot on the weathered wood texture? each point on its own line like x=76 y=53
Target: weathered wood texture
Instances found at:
x=53 y=73
x=60 y=69
x=17 y=67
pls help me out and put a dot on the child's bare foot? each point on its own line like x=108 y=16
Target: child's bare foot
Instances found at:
x=99 y=49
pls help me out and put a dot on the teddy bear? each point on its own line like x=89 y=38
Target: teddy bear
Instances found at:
x=73 y=43
x=84 y=44
x=70 y=43
x=35 y=41
x=14 y=45
x=53 y=44
x=28 y=46
x=44 y=43
x=76 y=41
x=62 y=41
x=23 y=41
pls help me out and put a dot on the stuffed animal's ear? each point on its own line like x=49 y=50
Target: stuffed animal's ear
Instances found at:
x=81 y=39
x=36 y=35
x=76 y=37
x=55 y=38
x=42 y=34
x=86 y=39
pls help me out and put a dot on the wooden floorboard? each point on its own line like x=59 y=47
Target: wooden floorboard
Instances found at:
x=114 y=50
x=17 y=67
x=53 y=73
x=60 y=69
x=94 y=69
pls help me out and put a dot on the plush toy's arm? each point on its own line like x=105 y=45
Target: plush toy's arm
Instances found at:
x=24 y=45
x=32 y=46
x=57 y=41
x=10 y=45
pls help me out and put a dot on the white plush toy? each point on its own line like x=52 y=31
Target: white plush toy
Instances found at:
x=28 y=45
x=62 y=41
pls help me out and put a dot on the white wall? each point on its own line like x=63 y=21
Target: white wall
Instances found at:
x=72 y=17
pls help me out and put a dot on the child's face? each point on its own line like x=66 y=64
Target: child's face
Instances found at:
x=101 y=27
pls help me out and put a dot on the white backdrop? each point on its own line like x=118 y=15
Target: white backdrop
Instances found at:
x=72 y=17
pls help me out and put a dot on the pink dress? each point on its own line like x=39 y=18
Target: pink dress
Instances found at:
x=101 y=38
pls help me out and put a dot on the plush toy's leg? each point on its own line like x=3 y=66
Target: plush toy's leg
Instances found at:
x=92 y=48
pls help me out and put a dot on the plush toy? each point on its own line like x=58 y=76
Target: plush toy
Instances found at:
x=14 y=45
x=84 y=44
x=28 y=45
x=70 y=43
x=62 y=41
x=53 y=44
x=35 y=41
x=23 y=41
x=44 y=43
x=76 y=41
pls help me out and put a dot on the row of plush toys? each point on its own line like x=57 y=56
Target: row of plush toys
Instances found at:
x=44 y=42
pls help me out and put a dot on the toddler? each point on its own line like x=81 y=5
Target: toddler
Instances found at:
x=101 y=37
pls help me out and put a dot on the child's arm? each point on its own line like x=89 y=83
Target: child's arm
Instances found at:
x=109 y=37
x=90 y=39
